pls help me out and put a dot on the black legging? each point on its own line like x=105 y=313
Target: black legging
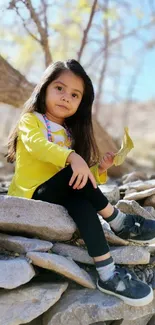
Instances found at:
x=82 y=205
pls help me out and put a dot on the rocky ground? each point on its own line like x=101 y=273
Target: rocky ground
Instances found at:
x=46 y=274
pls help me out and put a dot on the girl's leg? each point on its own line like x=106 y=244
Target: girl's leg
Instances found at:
x=84 y=215
x=131 y=227
x=116 y=282
x=80 y=209
x=87 y=221
x=60 y=183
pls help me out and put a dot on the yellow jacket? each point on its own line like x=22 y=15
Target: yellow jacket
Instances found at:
x=37 y=159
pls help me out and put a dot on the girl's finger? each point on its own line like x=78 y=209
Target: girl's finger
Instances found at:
x=83 y=183
x=74 y=175
x=78 y=181
x=91 y=177
x=110 y=154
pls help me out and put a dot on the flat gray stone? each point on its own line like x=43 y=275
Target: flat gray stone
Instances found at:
x=139 y=195
x=22 y=305
x=62 y=265
x=89 y=306
x=139 y=185
x=121 y=255
x=22 y=244
x=15 y=272
x=36 y=218
x=111 y=192
x=76 y=253
x=134 y=176
x=133 y=207
x=130 y=255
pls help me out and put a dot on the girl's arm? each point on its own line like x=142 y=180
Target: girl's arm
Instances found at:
x=37 y=145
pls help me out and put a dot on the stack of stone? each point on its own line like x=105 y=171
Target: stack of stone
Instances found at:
x=46 y=274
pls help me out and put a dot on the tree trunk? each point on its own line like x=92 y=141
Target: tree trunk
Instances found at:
x=15 y=89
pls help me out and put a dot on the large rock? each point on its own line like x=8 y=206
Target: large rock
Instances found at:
x=62 y=266
x=111 y=192
x=132 y=207
x=15 y=272
x=22 y=305
x=36 y=218
x=121 y=255
x=89 y=306
x=23 y=245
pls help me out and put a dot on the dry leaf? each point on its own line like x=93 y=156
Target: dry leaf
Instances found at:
x=127 y=145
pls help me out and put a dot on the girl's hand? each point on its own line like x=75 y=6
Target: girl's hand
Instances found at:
x=81 y=172
x=106 y=162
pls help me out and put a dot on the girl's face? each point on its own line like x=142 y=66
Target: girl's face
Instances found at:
x=63 y=96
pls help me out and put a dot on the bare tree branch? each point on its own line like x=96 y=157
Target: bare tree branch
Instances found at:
x=43 y=31
x=105 y=61
x=45 y=15
x=86 y=31
x=122 y=37
x=25 y=26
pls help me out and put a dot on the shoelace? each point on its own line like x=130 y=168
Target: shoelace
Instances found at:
x=135 y=224
x=124 y=276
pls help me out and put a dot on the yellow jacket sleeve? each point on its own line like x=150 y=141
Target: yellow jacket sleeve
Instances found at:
x=36 y=144
x=100 y=179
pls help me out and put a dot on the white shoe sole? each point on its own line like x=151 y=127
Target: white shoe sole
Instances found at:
x=132 y=302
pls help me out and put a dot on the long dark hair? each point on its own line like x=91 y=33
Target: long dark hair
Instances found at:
x=80 y=124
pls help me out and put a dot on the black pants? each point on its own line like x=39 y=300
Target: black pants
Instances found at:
x=82 y=206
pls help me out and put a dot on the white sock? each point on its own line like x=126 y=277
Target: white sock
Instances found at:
x=118 y=221
x=105 y=269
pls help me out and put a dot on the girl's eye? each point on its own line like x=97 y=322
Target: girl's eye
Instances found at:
x=59 y=88
x=75 y=95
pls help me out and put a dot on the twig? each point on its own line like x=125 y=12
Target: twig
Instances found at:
x=86 y=31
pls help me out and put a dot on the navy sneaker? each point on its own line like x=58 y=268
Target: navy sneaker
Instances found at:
x=126 y=286
x=138 y=229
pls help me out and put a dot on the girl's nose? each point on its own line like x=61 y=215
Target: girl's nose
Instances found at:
x=65 y=98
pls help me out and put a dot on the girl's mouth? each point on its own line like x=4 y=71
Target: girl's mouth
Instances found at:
x=62 y=106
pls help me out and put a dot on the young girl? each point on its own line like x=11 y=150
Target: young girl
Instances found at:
x=57 y=161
